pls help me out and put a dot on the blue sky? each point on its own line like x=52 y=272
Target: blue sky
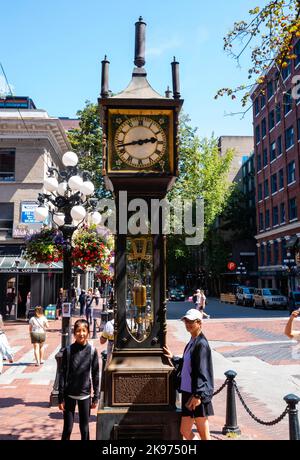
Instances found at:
x=52 y=52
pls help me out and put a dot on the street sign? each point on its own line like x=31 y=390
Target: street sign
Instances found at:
x=231 y=266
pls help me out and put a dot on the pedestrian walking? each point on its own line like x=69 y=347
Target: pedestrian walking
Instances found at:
x=59 y=303
x=97 y=296
x=89 y=306
x=79 y=372
x=199 y=300
x=195 y=378
x=10 y=301
x=38 y=325
x=82 y=302
x=107 y=335
x=28 y=304
x=5 y=349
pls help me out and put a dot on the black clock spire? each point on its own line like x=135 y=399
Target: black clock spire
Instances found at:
x=104 y=77
x=175 y=78
x=139 y=53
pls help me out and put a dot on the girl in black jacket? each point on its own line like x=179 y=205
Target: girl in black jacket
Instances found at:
x=196 y=381
x=79 y=363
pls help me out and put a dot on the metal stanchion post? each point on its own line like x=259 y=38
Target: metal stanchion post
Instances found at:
x=104 y=359
x=292 y=401
x=231 y=425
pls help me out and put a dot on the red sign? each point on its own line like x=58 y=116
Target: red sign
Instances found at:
x=231 y=266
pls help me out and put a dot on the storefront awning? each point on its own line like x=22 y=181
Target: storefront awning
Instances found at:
x=7 y=265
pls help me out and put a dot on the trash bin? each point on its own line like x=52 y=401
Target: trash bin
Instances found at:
x=50 y=311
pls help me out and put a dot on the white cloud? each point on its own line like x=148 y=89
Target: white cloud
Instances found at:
x=5 y=89
x=163 y=47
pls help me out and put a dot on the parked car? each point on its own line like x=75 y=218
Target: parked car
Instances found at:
x=294 y=301
x=244 y=295
x=176 y=294
x=269 y=298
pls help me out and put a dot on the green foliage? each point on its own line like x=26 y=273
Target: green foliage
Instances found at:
x=238 y=216
x=269 y=35
x=202 y=172
x=87 y=142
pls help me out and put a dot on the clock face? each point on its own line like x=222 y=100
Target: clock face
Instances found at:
x=140 y=142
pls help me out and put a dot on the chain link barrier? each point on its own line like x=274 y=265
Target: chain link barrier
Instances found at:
x=271 y=423
x=221 y=388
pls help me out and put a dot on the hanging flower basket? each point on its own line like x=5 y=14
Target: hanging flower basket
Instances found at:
x=45 y=246
x=91 y=247
x=105 y=272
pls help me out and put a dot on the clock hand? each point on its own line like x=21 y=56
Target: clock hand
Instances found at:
x=140 y=142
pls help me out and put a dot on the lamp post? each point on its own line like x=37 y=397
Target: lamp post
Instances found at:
x=69 y=201
x=241 y=271
x=17 y=263
x=290 y=268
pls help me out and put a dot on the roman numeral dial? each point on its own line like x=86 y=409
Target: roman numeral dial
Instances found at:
x=140 y=142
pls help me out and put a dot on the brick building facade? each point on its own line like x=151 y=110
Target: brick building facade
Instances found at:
x=276 y=123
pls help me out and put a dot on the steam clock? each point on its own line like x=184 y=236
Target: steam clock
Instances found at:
x=140 y=129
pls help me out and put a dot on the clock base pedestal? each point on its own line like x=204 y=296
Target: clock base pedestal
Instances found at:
x=124 y=423
x=138 y=401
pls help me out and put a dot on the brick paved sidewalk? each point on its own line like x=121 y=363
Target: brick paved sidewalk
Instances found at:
x=25 y=389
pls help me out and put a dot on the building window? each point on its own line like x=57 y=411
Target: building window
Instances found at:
x=274 y=183
x=298 y=126
x=278 y=113
x=276 y=253
x=270 y=89
x=265 y=155
x=289 y=137
x=256 y=106
x=286 y=71
x=266 y=188
x=273 y=151
x=271 y=120
x=259 y=192
x=262 y=255
x=7 y=165
x=282 y=213
x=268 y=254
x=281 y=179
x=262 y=101
x=275 y=216
x=6 y=218
x=267 y=218
x=287 y=102
x=291 y=172
x=283 y=250
x=257 y=134
x=263 y=128
x=297 y=52
x=279 y=145
x=292 y=209
x=261 y=221
x=258 y=162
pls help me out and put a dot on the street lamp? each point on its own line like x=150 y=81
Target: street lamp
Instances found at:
x=17 y=263
x=290 y=268
x=69 y=202
x=241 y=271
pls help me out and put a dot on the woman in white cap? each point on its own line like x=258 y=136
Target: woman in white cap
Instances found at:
x=196 y=381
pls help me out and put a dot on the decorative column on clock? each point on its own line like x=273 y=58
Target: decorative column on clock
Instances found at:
x=140 y=158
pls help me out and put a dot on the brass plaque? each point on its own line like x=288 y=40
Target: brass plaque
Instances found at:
x=140 y=389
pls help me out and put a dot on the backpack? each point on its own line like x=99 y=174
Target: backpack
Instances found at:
x=68 y=361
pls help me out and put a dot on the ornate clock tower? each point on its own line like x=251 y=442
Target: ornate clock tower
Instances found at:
x=140 y=157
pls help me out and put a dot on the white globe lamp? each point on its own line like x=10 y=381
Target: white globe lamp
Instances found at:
x=75 y=183
x=41 y=213
x=62 y=188
x=78 y=213
x=70 y=159
x=95 y=217
x=59 y=218
x=50 y=184
x=87 y=188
